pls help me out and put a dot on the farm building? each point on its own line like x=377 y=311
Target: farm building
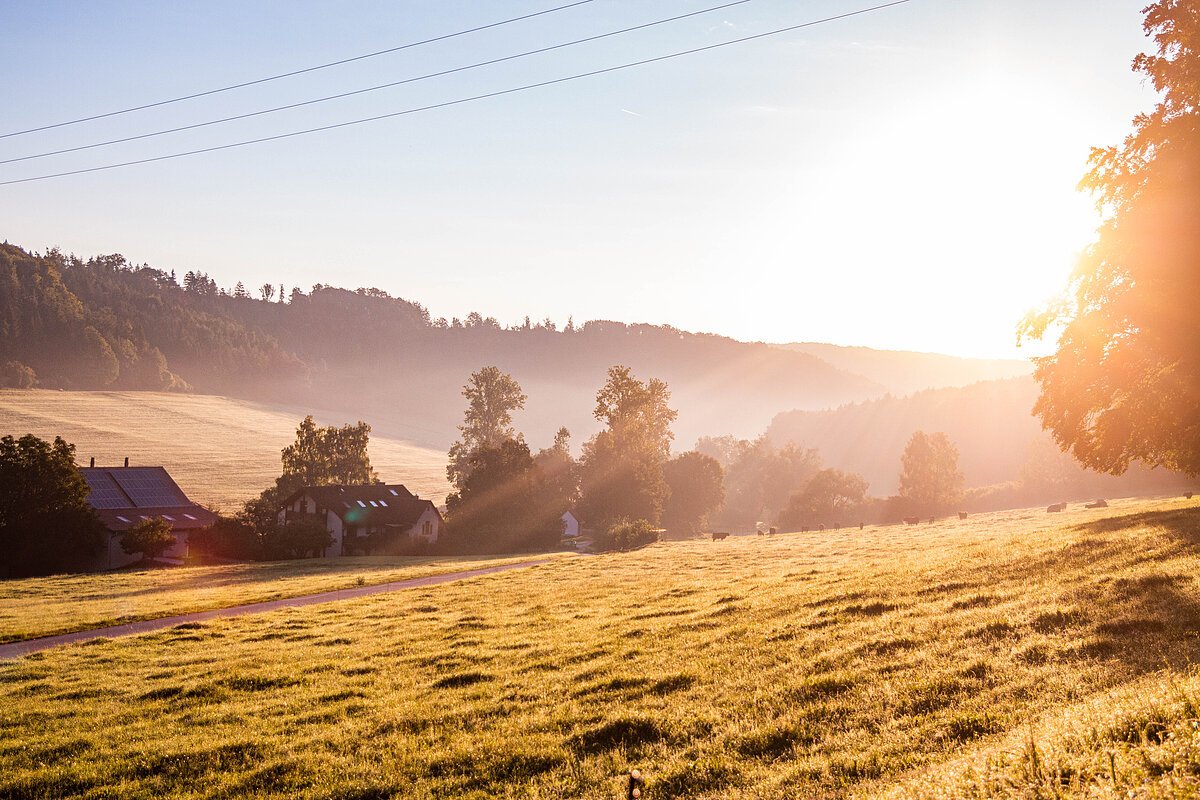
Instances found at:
x=570 y=525
x=125 y=496
x=375 y=518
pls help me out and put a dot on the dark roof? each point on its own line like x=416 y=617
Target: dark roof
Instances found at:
x=124 y=496
x=370 y=505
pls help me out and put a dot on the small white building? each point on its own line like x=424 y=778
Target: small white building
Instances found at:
x=570 y=525
x=374 y=518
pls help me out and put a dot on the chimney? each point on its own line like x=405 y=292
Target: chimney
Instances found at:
x=93 y=462
x=127 y=461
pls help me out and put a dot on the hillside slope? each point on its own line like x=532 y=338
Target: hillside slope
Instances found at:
x=991 y=424
x=107 y=324
x=902 y=372
x=220 y=451
x=792 y=666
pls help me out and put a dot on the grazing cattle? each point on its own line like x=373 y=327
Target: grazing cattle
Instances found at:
x=962 y=515
x=719 y=536
x=1187 y=496
x=821 y=527
x=1054 y=509
x=912 y=520
x=931 y=520
x=772 y=531
x=1098 y=504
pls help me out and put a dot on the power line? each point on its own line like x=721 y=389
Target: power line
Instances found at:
x=442 y=73
x=462 y=100
x=303 y=71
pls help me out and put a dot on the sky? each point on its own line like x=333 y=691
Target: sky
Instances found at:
x=901 y=179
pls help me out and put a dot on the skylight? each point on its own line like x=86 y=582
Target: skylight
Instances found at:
x=383 y=503
x=361 y=503
x=123 y=519
x=189 y=516
x=393 y=491
x=374 y=504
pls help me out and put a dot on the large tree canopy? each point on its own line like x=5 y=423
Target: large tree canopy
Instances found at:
x=929 y=477
x=492 y=396
x=1124 y=382
x=46 y=524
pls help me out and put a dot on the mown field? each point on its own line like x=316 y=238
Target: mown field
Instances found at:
x=1008 y=655
x=34 y=607
x=220 y=451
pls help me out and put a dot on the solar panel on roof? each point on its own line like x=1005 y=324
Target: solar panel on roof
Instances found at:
x=149 y=488
x=105 y=493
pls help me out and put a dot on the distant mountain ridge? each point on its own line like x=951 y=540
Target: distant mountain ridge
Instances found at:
x=107 y=324
x=903 y=372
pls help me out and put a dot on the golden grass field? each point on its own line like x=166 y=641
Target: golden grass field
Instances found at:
x=1014 y=655
x=220 y=451
x=34 y=607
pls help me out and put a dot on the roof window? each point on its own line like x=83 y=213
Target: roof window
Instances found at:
x=123 y=519
x=394 y=492
x=189 y=516
x=361 y=503
x=374 y=504
x=168 y=518
x=383 y=503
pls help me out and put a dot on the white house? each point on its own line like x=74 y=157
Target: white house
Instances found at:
x=570 y=525
x=373 y=518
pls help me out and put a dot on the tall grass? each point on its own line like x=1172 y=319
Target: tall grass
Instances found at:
x=888 y=660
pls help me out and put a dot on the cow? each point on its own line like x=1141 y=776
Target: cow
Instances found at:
x=962 y=515
x=1187 y=496
x=719 y=536
x=912 y=520
x=1054 y=509
x=1098 y=504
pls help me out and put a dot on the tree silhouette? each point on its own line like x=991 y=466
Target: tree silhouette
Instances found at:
x=929 y=476
x=828 y=499
x=492 y=396
x=697 y=485
x=150 y=537
x=1124 y=382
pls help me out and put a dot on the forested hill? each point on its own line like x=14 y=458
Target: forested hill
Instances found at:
x=903 y=373
x=990 y=422
x=104 y=323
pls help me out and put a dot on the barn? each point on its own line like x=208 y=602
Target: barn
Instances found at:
x=372 y=518
x=125 y=496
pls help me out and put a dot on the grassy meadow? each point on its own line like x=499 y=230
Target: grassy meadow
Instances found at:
x=220 y=451
x=33 y=607
x=1014 y=654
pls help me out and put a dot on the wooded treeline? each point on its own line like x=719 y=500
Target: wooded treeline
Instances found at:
x=104 y=323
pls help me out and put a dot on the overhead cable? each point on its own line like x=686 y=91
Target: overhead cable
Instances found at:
x=303 y=71
x=376 y=88
x=462 y=100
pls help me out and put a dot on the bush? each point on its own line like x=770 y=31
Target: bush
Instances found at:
x=150 y=537
x=628 y=535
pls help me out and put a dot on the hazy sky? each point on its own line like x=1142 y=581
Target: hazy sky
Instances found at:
x=903 y=179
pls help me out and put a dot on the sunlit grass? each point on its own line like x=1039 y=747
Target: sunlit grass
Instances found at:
x=817 y=665
x=34 y=607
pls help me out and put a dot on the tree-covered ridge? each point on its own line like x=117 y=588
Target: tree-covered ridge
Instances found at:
x=104 y=323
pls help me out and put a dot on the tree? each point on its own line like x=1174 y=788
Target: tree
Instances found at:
x=492 y=396
x=622 y=466
x=828 y=499
x=46 y=524
x=929 y=477
x=150 y=537
x=497 y=508
x=1123 y=384
x=759 y=480
x=267 y=291
x=300 y=537
x=239 y=291
x=697 y=485
x=329 y=455
x=558 y=475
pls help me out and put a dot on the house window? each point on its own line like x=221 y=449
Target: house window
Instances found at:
x=427 y=529
x=374 y=504
x=394 y=492
x=383 y=503
x=361 y=503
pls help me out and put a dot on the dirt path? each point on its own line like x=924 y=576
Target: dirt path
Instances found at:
x=18 y=649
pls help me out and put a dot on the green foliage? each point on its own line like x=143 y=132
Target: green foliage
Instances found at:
x=298 y=538
x=759 y=479
x=15 y=375
x=150 y=537
x=832 y=497
x=500 y=507
x=328 y=455
x=697 y=485
x=1124 y=382
x=46 y=524
x=627 y=535
x=558 y=475
x=929 y=477
x=622 y=466
x=492 y=396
